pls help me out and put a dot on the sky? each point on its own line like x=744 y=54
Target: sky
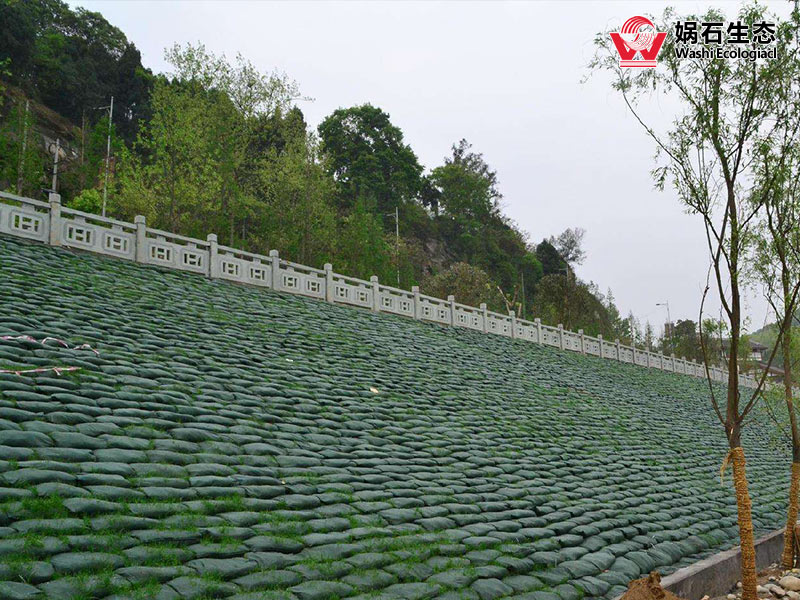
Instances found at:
x=508 y=77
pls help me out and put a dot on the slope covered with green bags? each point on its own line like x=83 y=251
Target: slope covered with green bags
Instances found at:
x=234 y=442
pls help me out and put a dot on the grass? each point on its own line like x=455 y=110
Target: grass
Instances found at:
x=36 y=507
x=233 y=503
x=161 y=555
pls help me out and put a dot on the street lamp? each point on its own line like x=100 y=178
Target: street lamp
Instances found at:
x=669 y=324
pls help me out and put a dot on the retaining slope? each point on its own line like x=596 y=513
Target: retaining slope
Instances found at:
x=241 y=443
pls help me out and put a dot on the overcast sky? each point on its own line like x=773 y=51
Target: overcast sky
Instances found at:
x=505 y=76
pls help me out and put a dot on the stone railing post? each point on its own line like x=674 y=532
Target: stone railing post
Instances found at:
x=417 y=309
x=55 y=218
x=513 y=316
x=485 y=317
x=213 y=254
x=619 y=350
x=328 y=267
x=600 y=337
x=672 y=363
x=376 y=295
x=560 y=336
x=538 y=322
x=451 y=300
x=141 y=238
x=275 y=261
x=583 y=341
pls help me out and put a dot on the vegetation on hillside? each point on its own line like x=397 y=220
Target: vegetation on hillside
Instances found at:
x=215 y=145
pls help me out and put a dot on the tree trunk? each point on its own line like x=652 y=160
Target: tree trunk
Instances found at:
x=787 y=560
x=745 y=520
x=791 y=519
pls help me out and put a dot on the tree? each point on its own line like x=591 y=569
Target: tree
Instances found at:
x=191 y=170
x=569 y=246
x=686 y=340
x=236 y=95
x=467 y=185
x=562 y=298
x=363 y=251
x=172 y=176
x=551 y=260
x=470 y=285
x=778 y=256
x=301 y=222
x=649 y=336
x=22 y=161
x=709 y=154
x=367 y=157
x=73 y=61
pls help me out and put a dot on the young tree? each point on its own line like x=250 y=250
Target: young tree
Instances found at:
x=778 y=257
x=709 y=154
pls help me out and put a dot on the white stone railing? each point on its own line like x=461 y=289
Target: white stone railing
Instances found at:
x=53 y=224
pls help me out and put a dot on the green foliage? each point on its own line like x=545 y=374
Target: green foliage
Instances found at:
x=301 y=221
x=367 y=157
x=22 y=161
x=363 y=251
x=551 y=260
x=564 y=299
x=73 y=61
x=216 y=145
x=89 y=201
x=467 y=186
x=470 y=285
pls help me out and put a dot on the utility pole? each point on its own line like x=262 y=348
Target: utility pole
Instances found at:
x=108 y=154
x=522 y=277
x=55 y=165
x=669 y=325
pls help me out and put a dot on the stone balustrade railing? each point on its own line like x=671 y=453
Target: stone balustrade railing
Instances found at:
x=53 y=224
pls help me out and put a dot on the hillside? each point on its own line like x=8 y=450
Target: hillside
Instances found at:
x=216 y=144
x=234 y=442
